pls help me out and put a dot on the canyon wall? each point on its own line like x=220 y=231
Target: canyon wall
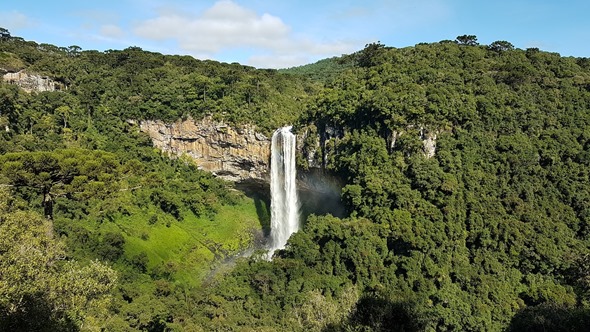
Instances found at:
x=241 y=154
x=31 y=82
x=234 y=154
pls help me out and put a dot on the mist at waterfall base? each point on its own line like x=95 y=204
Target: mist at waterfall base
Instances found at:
x=318 y=192
x=284 y=201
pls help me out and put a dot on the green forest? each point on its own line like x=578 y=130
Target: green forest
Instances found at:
x=100 y=231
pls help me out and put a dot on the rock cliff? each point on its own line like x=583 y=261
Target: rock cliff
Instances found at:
x=242 y=154
x=31 y=82
x=429 y=141
x=232 y=154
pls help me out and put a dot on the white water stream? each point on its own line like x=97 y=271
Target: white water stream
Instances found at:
x=284 y=203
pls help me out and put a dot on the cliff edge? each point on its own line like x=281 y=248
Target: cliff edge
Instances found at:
x=230 y=153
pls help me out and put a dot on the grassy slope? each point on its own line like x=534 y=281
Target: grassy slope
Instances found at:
x=191 y=246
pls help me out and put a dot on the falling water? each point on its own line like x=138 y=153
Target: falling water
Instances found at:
x=284 y=204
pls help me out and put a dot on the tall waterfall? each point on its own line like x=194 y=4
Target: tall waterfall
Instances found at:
x=284 y=204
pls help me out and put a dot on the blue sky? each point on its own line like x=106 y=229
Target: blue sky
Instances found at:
x=279 y=34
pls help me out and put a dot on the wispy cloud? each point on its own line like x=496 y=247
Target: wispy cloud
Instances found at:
x=229 y=26
x=224 y=25
x=112 y=31
x=15 y=20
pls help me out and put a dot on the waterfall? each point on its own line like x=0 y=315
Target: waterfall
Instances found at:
x=284 y=204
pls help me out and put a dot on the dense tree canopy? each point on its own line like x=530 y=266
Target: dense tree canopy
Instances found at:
x=493 y=225
x=490 y=231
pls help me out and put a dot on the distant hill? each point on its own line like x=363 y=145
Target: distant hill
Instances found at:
x=323 y=70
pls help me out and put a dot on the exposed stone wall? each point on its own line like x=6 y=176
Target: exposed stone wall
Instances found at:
x=244 y=154
x=429 y=141
x=232 y=154
x=29 y=82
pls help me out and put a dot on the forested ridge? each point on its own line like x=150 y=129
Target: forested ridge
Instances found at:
x=491 y=232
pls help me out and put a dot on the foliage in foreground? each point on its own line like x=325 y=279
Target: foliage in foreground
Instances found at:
x=41 y=288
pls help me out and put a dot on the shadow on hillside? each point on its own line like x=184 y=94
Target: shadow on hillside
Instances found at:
x=374 y=313
x=263 y=212
x=259 y=191
x=550 y=317
x=319 y=194
x=35 y=314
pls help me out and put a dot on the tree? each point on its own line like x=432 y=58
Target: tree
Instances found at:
x=469 y=40
x=39 y=288
x=74 y=50
x=4 y=33
x=501 y=46
x=65 y=112
x=369 y=56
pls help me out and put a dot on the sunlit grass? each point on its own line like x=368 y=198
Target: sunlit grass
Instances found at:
x=189 y=248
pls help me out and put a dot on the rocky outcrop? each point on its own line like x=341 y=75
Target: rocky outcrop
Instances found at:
x=240 y=154
x=314 y=145
x=30 y=82
x=429 y=142
x=232 y=154
x=428 y=138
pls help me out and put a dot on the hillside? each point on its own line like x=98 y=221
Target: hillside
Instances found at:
x=465 y=180
x=324 y=70
x=488 y=232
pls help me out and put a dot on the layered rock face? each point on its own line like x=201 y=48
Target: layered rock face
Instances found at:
x=242 y=154
x=30 y=83
x=232 y=154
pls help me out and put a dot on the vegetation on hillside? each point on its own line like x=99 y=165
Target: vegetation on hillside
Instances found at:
x=491 y=233
x=72 y=158
x=324 y=70
x=136 y=84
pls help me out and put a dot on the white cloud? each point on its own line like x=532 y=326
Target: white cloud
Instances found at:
x=299 y=52
x=227 y=26
x=111 y=31
x=15 y=20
